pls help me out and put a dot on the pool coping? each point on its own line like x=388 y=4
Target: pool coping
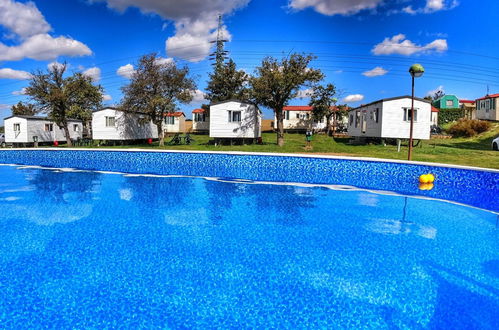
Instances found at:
x=243 y=153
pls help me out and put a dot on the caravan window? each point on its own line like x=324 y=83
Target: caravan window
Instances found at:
x=234 y=116
x=49 y=127
x=286 y=115
x=170 y=120
x=407 y=114
x=76 y=128
x=110 y=121
x=375 y=115
x=17 y=127
x=198 y=117
x=357 y=118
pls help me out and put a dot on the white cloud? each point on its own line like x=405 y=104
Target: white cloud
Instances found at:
x=377 y=71
x=7 y=73
x=353 y=98
x=398 y=44
x=335 y=7
x=4 y=106
x=22 y=91
x=93 y=73
x=198 y=96
x=432 y=6
x=22 y=19
x=55 y=64
x=26 y=22
x=434 y=91
x=163 y=60
x=195 y=22
x=43 y=47
x=304 y=93
x=107 y=97
x=126 y=71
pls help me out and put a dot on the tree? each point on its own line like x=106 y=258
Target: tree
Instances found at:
x=156 y=88
x=23 y=109
x=226 y=83
x=63 y=98
x=278 y=82
x=438 y=94
x=323 y=102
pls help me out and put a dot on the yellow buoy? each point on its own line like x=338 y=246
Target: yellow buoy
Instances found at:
x=423 y=178
x=431 y=177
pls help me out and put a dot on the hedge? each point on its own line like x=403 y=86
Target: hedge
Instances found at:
x=448 y=115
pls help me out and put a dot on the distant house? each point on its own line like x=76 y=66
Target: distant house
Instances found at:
x=434 y=116
x=446 y=102
x=116 y=125
x=234 y=119
x=27 y=129
x=487 y=107
x=174 y=122
x=390 y=118
x=299 y=118
x=200 y=121
x=469 y=107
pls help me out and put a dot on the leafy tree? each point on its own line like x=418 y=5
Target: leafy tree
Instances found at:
x=63 y=98
x=23 y=109
x=156 y=88
x=323 y=102
x=226 y=82
x=277 y=82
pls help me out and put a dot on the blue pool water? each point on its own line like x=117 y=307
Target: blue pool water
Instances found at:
x=94 y=250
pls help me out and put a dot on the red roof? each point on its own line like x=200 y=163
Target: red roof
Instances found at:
x=198 y=110
x=303 y=108
x=466 y=101
x=174 y=114
x=433 y=109
x=488 y=96
x=297 y=108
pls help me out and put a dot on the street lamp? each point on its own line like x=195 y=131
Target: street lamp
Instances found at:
x=416 y=71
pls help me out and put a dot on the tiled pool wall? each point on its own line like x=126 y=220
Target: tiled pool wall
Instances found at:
x=472 y=187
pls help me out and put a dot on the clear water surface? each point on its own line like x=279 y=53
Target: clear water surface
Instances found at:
x=89 y=249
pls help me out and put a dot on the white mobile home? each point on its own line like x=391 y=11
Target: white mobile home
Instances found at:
x=390 y=118
x=201 y=122
x=299 y=118
x=174 y=122
x=116 y=125
x=27 y=129
x=233 y=119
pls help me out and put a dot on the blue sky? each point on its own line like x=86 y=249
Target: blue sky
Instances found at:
x=364 y=47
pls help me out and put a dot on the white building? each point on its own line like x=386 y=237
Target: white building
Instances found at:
x=233 y=119
x=113 y=124
x=390 y=118
x=27 y=129
x=487 y=107
x=200 y=121
x=299 y=118
x=174 y=122
x=434 y=116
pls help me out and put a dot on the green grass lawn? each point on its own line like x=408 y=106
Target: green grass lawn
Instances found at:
x=463 y=151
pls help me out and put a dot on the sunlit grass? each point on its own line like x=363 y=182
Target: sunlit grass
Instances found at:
x=474 y=151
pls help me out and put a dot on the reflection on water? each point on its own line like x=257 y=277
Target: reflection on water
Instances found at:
x=193 y=253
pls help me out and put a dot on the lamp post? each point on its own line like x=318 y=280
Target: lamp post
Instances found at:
x=416 y=70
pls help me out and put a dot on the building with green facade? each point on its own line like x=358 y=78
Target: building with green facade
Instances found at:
x=446 y=102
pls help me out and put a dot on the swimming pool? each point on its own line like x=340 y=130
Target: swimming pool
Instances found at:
x=86 y=248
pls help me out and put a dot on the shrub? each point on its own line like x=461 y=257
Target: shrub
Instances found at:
x=468 y=127
x=449 y=115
